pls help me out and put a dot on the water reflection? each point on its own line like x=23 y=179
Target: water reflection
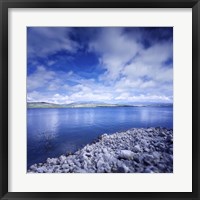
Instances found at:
x=43 y=134
x=144 y=115
x=122 y=115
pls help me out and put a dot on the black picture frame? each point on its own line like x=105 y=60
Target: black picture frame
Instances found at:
x=4 y=122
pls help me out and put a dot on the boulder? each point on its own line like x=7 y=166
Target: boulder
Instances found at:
x=126 y=154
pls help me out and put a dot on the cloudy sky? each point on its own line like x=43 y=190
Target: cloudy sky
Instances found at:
x=111 y=65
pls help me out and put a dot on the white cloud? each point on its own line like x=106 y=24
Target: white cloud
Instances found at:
x=46 y=97
x=128 y=64
x=144 y=98
x=90 y=96
x=34 y=96
x=54 y=84
x=115 y=49
x=49 y=80
x=157 y=53
x=156 y=72
x=51 y=62
x=125 y=89
x=60 y=99
x=65 y=99
x=40 y=78
x=45 y=41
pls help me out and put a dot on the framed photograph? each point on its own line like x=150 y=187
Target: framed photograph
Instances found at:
x=99 y=99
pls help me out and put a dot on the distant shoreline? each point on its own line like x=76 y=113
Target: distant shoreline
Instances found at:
x=137 y=150
x=89 y=105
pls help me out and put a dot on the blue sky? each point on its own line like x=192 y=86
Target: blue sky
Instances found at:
x=103 y=64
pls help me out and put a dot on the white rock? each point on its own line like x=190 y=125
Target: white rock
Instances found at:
x=126 y=154
x=105 y=150
x=53 y=161
x=136 y=148
x=101 y=170
x=33 y=167
x=107 y=157
x=41 y=169
x=104 y=135
x=70 y=162
x=62 y=159
x=100 y=163
x=126 y=169
x=65 y=166
x=89 y=148
x=85 y=165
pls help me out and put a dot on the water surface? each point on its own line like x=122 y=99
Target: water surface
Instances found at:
x=55 y=131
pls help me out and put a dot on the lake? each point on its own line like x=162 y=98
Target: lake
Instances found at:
x=55 y=131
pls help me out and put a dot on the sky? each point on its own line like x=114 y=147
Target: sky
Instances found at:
x=100 y=64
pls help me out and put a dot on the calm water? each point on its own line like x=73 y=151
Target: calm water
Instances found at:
x=52 y=132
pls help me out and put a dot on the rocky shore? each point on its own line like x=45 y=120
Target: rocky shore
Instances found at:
x=137 y=150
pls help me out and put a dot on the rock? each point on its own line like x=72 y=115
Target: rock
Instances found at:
x=88 y=148
x=120 y=170
x=107 y=157
x=53 y=161
x=101 y=170
x=49 y=170
x=84 y=165
x=171 y=158
x=161 y=167
x=77 y=163
x=126 y=169
x=41 y=170
x=107 y=168
x=148 y=159
x=100 y=163
x=126 y=154
x=162 y=134
x=58 y=171
x=80 y=171
x=65 y=166
x=104 y=150
x=162 y=146
x=146 y=149
x=156 y=155
x=62 y=159
x=149 y=130
x=88 y=155
x=103 y=136
x=70 y=162
x=84 y=156
x=169 y=138
x=33 y=167
x=151 y=169
x=170 y=150
x=147 y=170
x=136 y=148
x=137 y=158
x=144 y=142
x=150 y=134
